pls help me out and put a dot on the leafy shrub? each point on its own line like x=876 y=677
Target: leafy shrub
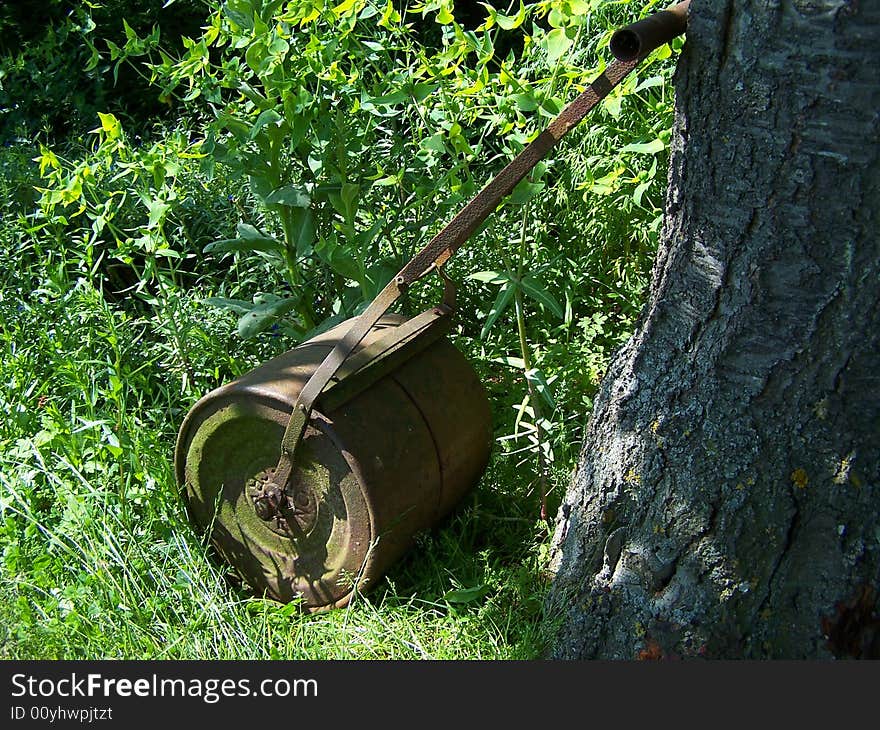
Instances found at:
x=55 y=69
x=344 y=141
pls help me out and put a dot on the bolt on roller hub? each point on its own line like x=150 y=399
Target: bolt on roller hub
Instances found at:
x=291 y=515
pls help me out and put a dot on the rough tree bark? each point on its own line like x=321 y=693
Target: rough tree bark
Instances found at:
x=727 y=496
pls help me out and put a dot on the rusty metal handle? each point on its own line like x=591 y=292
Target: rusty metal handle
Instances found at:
x=637 y=40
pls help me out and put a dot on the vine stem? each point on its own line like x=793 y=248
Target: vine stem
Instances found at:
x=534 y=397
x=175 y=330
x=302 y=308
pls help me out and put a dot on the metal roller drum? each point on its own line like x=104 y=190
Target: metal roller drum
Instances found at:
x=371 y=472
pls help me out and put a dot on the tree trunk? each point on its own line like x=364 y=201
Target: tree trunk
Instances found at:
x=727 y=496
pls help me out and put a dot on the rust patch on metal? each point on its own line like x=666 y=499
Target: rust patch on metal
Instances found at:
x=636 y=41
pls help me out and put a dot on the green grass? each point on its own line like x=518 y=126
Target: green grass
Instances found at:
x=99 y=559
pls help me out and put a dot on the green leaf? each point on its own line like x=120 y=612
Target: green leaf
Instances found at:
x=509 y=22
x=582 y=7
x=557 y=19
x=289 y=609
x=466 y=595
x=339 y=260
x=612 y=104
x=551 y=107
x=536 y=377
x=489 y=277
x=558 y=43
x=279 y=47
x=349 y=195
x=256 y=55
x=524 y=192
x=392 y=99
x=94 y=58
x=236 y=305
x=249 y=239
x=288 y=195
x=304 y=235
x=526 y=101
x=537 y=292
x=644 y=148
x=270 y=116
x=420 y=92
x=345 y=265
x=514 y=362
x=444 y=16
x=248 y=232
x=129 y=31
x=389 y=16
x=240 y=13
x=115 y=51
x=110 y=124
x=227 y=245
x=649 y=83
x=263 y=315
x=502 y=301
x=238 y=128
x=387 y=105
x=607 y=184
x=157 y=209
x=434 y=142
x=261 y=186
x=640 y=191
